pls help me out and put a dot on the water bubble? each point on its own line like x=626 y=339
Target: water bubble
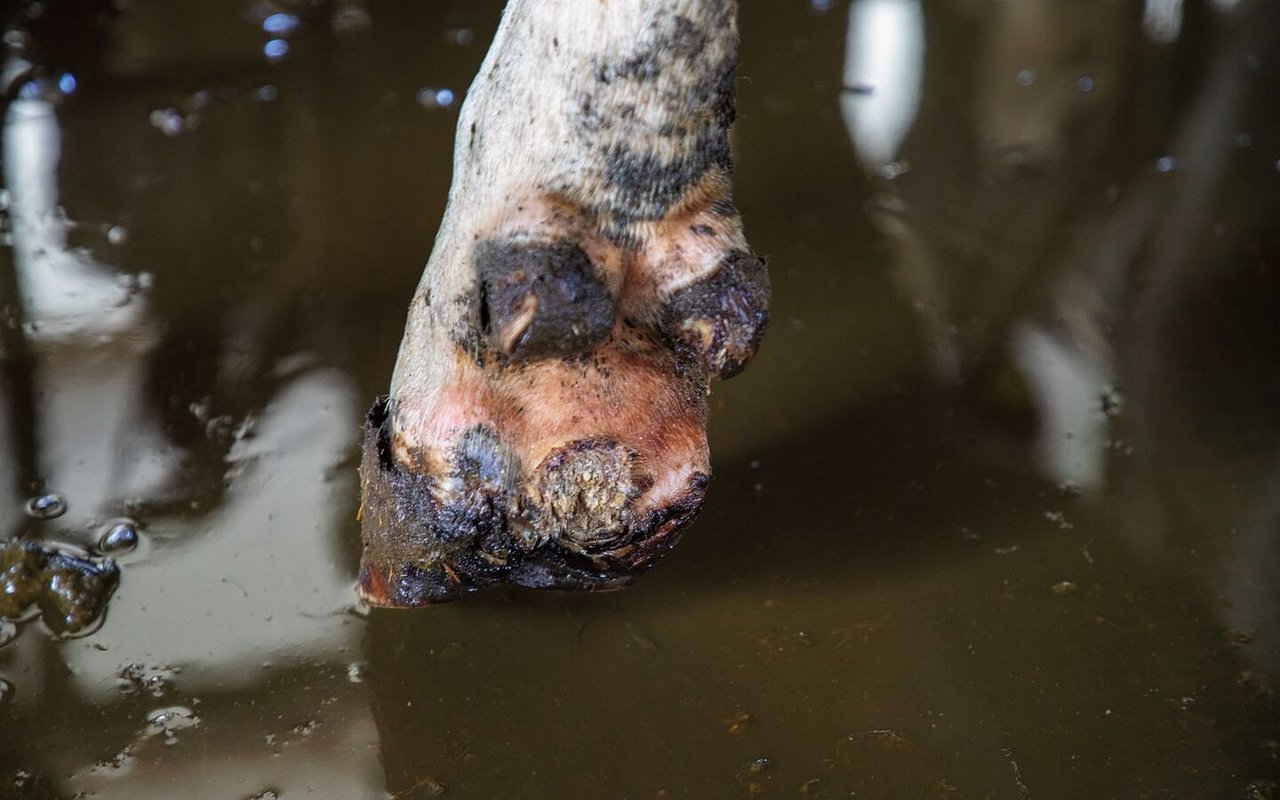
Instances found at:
x=357 y=672
x=821 y=6
x=1244 y=140
x=1025 y=77
x=268 y=93
x=280 y=24
x=66 y=83
x=29 y=91
x=1084 y=84
x=131 y=677
x=169 y=721
x=1166 y=164
x=1063 y=588
x=755 y=781
x=156 y=681
x=121 y=537
x=275 y=49
x=47 y=506
x=265 y=794
x=117 y=234
x=6 y=691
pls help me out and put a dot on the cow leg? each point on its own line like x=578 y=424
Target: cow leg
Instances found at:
x=546 y=424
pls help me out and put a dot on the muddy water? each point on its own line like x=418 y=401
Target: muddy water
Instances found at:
x=995 y=512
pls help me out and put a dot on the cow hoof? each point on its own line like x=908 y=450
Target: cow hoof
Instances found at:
x=546 y=424
x=586 y=517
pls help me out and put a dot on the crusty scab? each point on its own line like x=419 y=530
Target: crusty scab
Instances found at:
x=438 y=539
x=723 y=316
x=541 y=298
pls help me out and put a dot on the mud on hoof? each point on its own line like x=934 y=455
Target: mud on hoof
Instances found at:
x=546 y=424
x=574 y=525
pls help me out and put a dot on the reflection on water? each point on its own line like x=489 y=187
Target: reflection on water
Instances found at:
x=884 y=59
x=995 y=512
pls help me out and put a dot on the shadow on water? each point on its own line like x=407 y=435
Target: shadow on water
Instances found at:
x=995 y=512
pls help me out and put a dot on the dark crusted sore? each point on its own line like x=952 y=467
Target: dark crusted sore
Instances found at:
x=572 y=308
x=419 y=551
x=723 y=316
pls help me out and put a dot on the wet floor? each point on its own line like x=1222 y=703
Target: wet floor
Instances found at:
x=996 y=512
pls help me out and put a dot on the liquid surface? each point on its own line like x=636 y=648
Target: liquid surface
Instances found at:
x=996 y=511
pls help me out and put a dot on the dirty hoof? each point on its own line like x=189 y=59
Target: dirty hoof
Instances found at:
x=589 y=515
x=546 y=424
x=541 y=299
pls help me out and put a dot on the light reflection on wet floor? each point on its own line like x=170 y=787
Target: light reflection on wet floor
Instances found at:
x=995 y=511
